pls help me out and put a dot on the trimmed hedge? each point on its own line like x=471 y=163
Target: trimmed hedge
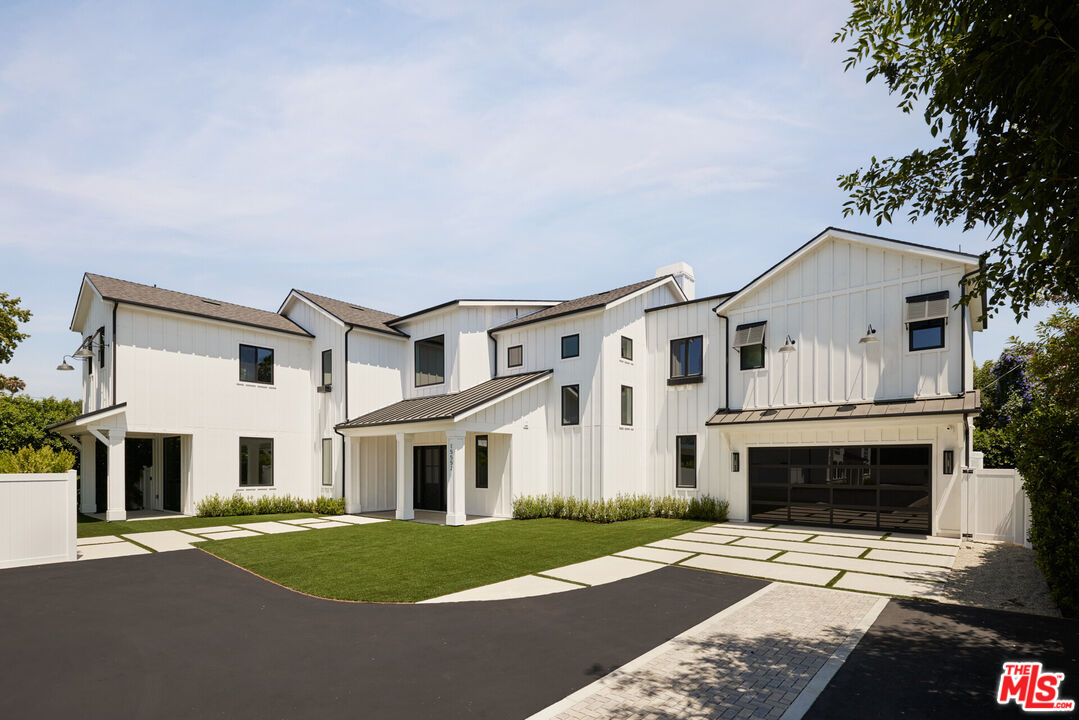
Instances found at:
x=39 y=460
x=218 y=506
x=621 y=507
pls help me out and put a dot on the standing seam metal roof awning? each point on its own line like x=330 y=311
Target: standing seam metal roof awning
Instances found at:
x=447 y=406
x=952 y=405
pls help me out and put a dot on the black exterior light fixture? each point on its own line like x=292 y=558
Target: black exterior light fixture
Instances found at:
x=949 y=462
x=734 y=462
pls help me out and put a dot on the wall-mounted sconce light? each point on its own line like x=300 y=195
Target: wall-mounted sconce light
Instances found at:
x=949 y=462
x=63 y=364
x=734 y=462
x=870 y=336
x=788 y=347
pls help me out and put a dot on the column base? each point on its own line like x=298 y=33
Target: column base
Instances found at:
x=405 y=514
x=455 y=518
x=115 y=515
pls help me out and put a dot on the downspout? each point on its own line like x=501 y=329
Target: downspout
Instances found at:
x=114 y=306
x=726 y=361
x=963 y=372
x=344 y=440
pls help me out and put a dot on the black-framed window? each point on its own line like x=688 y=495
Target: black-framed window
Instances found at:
x=627 y=348
x=515 y=356
x=101 y=346
x=327 y=461
x=327 y=368
x=481 y=461
x=90 y=360
x=687 y=359
x=751 y=357
x=926 y=335
x=256 y=364
x=571 y=346
x=571 y=404
x=749 y=342
x=686 y=461
x=256 y=461
x=431 y=361
x=627 y=405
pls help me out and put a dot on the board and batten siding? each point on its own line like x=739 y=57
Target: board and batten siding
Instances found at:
x=684 y=409
x=96 y=388
x=825 y=300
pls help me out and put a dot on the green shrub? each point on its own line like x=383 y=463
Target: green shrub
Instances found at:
x=217 y=506
x=40 y=460
x=621 y=507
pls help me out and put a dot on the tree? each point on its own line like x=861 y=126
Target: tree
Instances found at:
x=23 y=421
x=11 y=314
x=1006 y=397
x=999 y=81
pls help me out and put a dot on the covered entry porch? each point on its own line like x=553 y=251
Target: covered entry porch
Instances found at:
x=124 y=474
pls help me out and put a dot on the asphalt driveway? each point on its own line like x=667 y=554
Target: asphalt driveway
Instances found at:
x=186 y=635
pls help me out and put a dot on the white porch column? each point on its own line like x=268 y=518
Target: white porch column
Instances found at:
x=455 y=478
x=349 y=489
x=87 y=473
x=405 y=509
x=116 y=509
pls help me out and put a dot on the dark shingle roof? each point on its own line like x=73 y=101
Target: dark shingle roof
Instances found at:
x=154 y=297
x=354 y=315
x=581 y=304
x=957 y=404
x=707 y=298
x=447 y=406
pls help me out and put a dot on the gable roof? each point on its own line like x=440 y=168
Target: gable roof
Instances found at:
x=468 y=301
x=448 y=406
x=720 y=296
x=131 y=293
x=354 y=315
x=582 y=304
x=841 y=234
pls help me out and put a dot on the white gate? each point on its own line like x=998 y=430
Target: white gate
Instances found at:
x=37 y=518
x=995 y=508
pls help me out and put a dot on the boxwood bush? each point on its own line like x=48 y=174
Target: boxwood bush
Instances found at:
x=39 y=460
x=219 y=506
x=621 y=507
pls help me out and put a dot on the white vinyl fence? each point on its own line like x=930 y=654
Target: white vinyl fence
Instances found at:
x=37 y=518
x=995 y=508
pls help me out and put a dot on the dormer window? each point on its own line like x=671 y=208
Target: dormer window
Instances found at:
x=926 y=316
x=515 y=356
x=431 y=361
x=749 y=342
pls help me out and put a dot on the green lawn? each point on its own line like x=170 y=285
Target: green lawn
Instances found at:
x=407 y=561
x=92 y=527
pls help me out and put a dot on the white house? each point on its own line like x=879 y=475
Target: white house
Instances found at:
x=835 y=389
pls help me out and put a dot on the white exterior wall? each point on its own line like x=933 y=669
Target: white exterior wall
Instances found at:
x=37 y=518
x=96 y=388
x=683 y=409
x=825 y=300
x=180 y=376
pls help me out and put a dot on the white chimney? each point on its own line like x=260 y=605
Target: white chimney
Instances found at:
x=683 y=275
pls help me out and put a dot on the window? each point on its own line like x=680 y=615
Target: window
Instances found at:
x=627 y=348
x=571 y=346
x=430 y=361
x=481 y=461
x=256 y=461
x=327 y=368
x=927 y=334
x=687 y=461
x=627 y=405
x=90 y=360
x=749 y=342
x=101 y=347
x=515 y=356
x=571 y=404
x=256 y=364
x=327 y=460
x=686 y=360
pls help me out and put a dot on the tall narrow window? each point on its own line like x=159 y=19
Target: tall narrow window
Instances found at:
x=101 y=347
x=256 y=364
x=687 y=360
x=627 y=348
x=327 y=461
x=327 y=368
x=256 y=461
x=627 y=405
x=515 y=356
x=431 y=361
x=687 y=461
x=571 y=346
x=571 y=404
x=481 y=461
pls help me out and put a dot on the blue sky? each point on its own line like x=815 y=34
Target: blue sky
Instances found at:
x=399 y=154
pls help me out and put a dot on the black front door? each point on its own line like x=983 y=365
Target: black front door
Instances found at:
x=429 y=471
x=101 y=475
x=171 y=475
x=138 y=459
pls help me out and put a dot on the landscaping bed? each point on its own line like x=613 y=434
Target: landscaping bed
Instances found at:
x=408 y=562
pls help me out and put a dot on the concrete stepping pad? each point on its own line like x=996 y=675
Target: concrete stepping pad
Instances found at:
x=744 y=525
x=712 y=538
x=643 y=552
x=521 y=587
x=911 y=572
x=271 y=527
x=713 y=549
x=925 y=539
x=602 y=570
x=100 y=551
x=887 y=545
x=210 y=530
x=327 y=524
x=82 y=542
x=357 y=519
x=839 y=550
x=773 y=534
x=304 y=521
x=913 y=558
x=887 y=585
x=830 y=532
x=766 y=570
x=165 y=540
x=232 y=534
